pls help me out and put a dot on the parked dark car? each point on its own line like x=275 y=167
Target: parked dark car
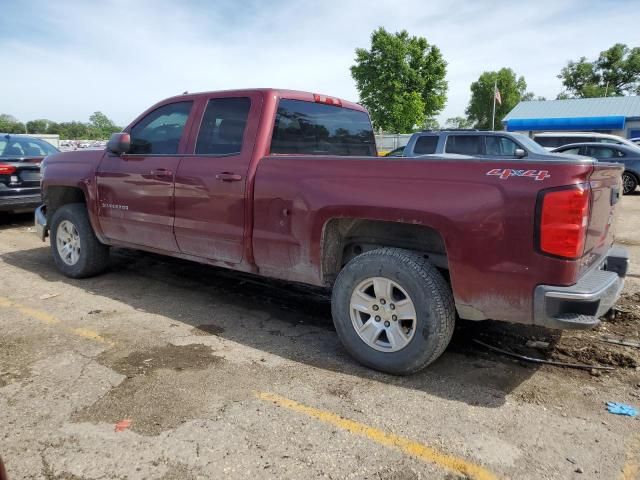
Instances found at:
x=476 y=143
x=628 y=156
x=20 y=158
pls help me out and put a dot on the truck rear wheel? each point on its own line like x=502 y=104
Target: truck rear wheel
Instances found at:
x=393 y=310
x=76 y=251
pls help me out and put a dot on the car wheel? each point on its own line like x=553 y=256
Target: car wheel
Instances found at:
x=76 y=251
x=629 y=183
x=393 y=310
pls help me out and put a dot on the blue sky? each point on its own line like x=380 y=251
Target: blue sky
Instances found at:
x=64 y=60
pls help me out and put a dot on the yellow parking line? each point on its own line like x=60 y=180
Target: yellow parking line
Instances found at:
x=631 y=469
x=409 y=447
x=49 y=319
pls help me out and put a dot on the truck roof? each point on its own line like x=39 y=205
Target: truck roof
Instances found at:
x=279 y=92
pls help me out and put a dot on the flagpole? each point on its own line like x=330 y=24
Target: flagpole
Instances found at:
x=493 y=117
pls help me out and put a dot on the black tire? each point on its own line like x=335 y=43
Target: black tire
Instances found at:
x=429 y=292
x=93 y=257
x=629 y=183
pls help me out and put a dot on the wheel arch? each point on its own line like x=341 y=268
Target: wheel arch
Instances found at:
x=345 y=238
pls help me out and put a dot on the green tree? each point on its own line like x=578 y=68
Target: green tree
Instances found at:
x=512 y=89
x=10 y=124
x=401 y=80
x=458 y=122
x=101 y=126
x=616 y=72
x=74 y=130
x=39 y=126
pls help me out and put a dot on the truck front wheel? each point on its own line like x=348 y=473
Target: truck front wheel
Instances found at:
x=393 y=310
x=76 y=251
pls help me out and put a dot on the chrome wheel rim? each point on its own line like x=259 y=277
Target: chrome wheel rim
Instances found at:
x=627 y=183
x=68 y=242
x=383 y=314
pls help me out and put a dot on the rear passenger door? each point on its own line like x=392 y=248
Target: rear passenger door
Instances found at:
x=211 y=181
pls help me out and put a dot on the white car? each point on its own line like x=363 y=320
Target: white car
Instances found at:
x=551 y=140
x=635 y=140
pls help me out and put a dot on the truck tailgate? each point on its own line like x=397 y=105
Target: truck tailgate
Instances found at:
x=606 y=191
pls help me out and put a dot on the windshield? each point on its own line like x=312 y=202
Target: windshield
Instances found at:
x=18 y=147
x=529 y=144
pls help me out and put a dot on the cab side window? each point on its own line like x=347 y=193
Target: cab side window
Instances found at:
x=160 y=131
x=223 y=126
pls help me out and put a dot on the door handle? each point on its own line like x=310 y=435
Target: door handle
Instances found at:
x=161 y=172
x=229 y=177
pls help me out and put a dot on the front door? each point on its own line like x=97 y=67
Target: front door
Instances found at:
x=135 y=190
x=210 y=185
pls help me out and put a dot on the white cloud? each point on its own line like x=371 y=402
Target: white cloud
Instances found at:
x=68 y=59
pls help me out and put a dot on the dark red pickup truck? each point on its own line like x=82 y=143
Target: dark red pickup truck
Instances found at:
x=287 y=184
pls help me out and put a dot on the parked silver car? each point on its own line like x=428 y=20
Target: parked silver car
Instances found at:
x=628 y=156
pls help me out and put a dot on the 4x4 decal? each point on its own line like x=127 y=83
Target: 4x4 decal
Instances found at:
x=505 y=173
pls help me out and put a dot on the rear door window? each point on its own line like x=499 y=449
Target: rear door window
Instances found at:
x=308 y=128
x=426 y=144
x=223 y=126
x=465 y=144
x=159 y=132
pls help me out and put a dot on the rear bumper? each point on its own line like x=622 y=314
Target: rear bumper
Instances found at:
x=40 y=222
x=20 y=202
x=581 y=305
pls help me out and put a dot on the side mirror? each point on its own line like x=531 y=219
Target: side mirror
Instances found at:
x=519 y=153
x=119 y=143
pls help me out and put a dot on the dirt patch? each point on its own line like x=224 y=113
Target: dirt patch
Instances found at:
x=628 y=310
x=13 y=360
x=169 y=356
x=570 y=346
x=161 y=389
x=208 y=329
x=340 y=390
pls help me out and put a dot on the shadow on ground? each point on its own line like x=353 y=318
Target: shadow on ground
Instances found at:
x=13 y=220
x=292 y=321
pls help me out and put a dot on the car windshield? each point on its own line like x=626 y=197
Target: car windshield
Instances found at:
x=18 y=147
x=529 y=144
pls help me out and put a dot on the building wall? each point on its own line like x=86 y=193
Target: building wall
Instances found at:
x=632 y=128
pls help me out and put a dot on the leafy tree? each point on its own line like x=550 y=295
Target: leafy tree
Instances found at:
x=39 y=126
x=102 y=125
x=431 y=124
x=10 y=124
x=458 y=122
x=401 y=80
x=512 y=89
x=616 y=72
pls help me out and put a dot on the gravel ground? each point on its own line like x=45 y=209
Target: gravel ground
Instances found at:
x=165 y=369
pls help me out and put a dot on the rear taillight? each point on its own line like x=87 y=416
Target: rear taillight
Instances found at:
x=6 y=169
x=563 y=221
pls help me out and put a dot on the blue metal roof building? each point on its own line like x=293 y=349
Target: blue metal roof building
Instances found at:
x=617 y=115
